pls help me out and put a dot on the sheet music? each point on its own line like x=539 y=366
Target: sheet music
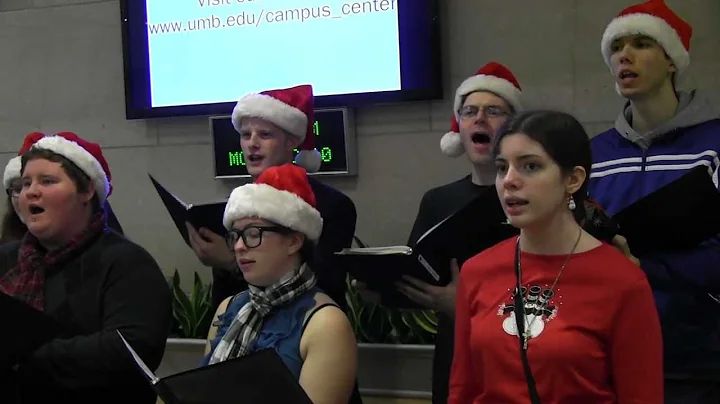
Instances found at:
x=430 y=230
x=185 y=205
x=392 y=250
x=150 y=375
x=162 y=189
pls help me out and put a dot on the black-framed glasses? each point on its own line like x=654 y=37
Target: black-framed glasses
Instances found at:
x=252 y=235
x=490 y=111
x=14 y=189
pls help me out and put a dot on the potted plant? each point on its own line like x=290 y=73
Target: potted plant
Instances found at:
x=192 y=314
x=395 y=347
x=376 y=324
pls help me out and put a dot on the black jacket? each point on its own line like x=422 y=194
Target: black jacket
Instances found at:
x=437 y=204
x=112 y=285
x=112 y=220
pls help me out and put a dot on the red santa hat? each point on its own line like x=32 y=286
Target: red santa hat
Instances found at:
x=292 y=110
x=492 y=77
x=86 y=155
x=14 y=166
x=282 y=195
x=656 y=20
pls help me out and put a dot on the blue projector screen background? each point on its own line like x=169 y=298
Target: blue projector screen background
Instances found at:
x=211 y=51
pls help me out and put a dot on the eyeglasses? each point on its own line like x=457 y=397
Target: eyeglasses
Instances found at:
x=490 y=111
x=14 y=190
x=252 y=236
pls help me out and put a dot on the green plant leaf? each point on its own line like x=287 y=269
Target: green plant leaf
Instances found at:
x=431 y=317
x=205 y=313
x=193 y=311
x=180 y=313
x=195 y=308
x=374 y=323
x=419 y=334
x=402 y=334
x=423 y=322
x=353 y=304
x=355 y=300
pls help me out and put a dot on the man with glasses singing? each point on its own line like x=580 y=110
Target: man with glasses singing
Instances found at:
x=482 y=104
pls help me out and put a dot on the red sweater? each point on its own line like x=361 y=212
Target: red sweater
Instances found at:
x=600 y=343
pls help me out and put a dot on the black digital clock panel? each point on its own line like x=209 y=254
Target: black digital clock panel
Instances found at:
x=334 y=139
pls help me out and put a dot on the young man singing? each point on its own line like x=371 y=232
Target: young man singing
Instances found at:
x=271 y=126
x=482 y=104
x=660 y=135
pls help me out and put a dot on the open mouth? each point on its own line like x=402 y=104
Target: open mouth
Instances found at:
x=480 y=138
x=627 y=74
x=255 y=158
x=515 y=202
x=36 y=210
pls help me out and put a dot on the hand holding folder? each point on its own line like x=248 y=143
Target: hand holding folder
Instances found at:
x=27 y=329
x=258 y=378
x=676 y=217
x=209 y=215
x=476 y=226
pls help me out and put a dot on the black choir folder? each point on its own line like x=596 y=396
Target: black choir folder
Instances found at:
x=258 y=378
x=30 y=329
x=209 y=215
x=676 y=217
x=478 y=225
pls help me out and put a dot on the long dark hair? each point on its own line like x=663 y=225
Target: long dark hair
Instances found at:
x=564 y=140
x=13 y=228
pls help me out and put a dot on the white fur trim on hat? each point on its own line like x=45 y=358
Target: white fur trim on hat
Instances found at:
x=81 y=158
x=451 y=144
x=493 y=84
x=272 y=110
x=12 y=171
x=651 y=26
x=281 y=207
x=310 y=160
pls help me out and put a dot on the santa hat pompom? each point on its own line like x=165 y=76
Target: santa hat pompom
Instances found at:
x=310 y=160
x=494 y=78
x=451 y=145
x=290 y=109
x=451 y=142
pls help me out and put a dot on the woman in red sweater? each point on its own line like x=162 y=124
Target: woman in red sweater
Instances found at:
x=590 y=332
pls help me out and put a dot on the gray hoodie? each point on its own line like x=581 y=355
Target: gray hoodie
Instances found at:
x=693 y=109
x=691 y=327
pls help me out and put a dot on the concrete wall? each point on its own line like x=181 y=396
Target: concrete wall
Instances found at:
x=61 y=69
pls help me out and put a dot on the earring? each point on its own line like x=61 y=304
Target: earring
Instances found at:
x=571 y=203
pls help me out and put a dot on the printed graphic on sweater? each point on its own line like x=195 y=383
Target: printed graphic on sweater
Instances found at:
x=539 y=309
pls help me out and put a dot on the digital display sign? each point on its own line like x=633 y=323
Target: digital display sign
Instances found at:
x=334 y=139
x=358 y=52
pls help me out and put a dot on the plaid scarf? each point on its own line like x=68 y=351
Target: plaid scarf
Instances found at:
x=247 y=324
x=26 y=281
